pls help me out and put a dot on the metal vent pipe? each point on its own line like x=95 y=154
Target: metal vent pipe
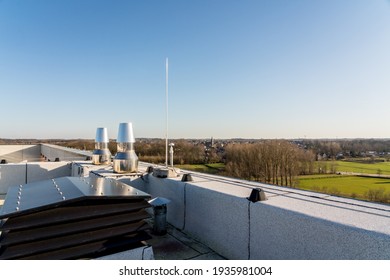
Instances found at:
x=125 y=159
x=101 y=154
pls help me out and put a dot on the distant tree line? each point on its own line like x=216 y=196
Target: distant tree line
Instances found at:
x=275 y=161
x=152 y=150
x=271 y=161
x=184 y=152
x=348 y=147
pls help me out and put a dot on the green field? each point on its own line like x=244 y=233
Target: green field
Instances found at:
x=349 y=186
x=367 y=188
x=382 y=168
x=211 y=168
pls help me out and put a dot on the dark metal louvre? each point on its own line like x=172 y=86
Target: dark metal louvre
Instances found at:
x=73 y=212
x=95 y=249
x=50 y=231
x=84 y=217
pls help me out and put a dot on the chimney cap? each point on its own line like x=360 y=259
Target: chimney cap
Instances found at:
x=101 y=135
x=125 y=133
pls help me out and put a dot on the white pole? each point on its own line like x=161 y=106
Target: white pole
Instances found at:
x=166 y=111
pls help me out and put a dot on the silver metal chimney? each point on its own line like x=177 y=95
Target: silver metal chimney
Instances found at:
x=125 y=159
x=101 y=154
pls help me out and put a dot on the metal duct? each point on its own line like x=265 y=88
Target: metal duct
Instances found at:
x=125 y=159
x=101 y=154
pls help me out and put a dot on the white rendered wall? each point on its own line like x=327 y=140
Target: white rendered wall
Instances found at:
x=278 y=233
x=20 y=153
x=13 y=174
x=52 y=152
x=172 y=190
x=291 y=224
x=218 y=220
x=47 y=170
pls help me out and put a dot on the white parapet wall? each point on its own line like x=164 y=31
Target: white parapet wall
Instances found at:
x=14 y=174
x=47 y=170
x=54 y=152
x=26 y=163
x=291 y=224
x=20 y=153
x=173 y=190
x=40 y=152
x=218 y=219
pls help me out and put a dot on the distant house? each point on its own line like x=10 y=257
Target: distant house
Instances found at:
x=340 y=156
x=322 y=156
x=371 y=153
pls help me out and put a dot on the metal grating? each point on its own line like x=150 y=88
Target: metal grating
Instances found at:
x=72 y=218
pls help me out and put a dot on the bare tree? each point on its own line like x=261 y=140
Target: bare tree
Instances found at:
x=275 y=162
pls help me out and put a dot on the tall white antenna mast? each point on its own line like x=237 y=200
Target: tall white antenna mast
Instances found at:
x=166 y=111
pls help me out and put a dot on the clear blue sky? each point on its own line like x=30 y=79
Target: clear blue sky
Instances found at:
x=249 y=69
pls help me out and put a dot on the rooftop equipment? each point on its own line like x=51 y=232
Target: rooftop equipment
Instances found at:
x=171 y=154
x=126 y=160
x=166 y=172
x=101 y=155
x=72 y=218
x=160 y=215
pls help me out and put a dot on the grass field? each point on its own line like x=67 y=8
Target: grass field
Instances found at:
x=212 y=168
x=348 y=186
x=375 y=189
x=358 y=167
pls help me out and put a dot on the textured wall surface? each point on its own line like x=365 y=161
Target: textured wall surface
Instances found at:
x=291 y=224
